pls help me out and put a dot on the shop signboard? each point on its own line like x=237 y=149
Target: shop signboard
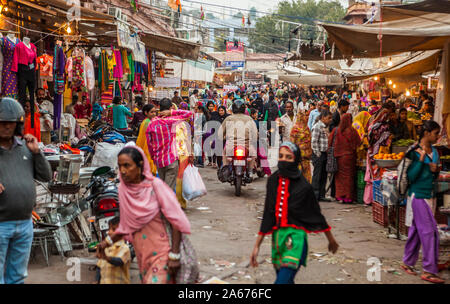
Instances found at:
x=231 y=47
x=172 y=82
x=184 y=91
x=228 y=88
x=234 y=64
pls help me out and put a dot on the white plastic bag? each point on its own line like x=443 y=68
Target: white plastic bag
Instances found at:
x=193 y=186
x=106 y=154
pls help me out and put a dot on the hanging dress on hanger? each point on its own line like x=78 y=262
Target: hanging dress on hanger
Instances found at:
x=9 y=78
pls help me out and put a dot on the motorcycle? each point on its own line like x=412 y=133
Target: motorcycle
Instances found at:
x=103 y=199
x=104 y=202
x=102 y=133
x=237 y=173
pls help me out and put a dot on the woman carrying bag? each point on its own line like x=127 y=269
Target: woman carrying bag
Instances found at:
x=152 y=219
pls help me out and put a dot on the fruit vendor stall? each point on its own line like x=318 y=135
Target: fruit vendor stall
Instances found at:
x=389 y=207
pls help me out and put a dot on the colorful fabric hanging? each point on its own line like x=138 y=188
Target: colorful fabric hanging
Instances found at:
x=59 y=64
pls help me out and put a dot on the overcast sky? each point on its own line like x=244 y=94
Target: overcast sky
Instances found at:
x=261 y=5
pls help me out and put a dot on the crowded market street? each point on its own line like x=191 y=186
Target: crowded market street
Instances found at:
x=197 y=144
x=224 y=229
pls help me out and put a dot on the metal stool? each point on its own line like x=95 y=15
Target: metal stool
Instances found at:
x=41 y=238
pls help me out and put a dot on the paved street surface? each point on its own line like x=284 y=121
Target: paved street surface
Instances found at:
x=224 y=229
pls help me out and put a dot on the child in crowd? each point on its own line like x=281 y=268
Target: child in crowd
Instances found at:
x=114 y=264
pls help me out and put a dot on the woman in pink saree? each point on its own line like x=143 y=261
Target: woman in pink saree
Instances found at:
x=146 y=204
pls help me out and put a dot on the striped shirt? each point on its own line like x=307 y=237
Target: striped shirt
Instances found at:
x=161 y=134
x=319 y=138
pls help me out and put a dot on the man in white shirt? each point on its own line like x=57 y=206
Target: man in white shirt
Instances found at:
x=288 y=120
x=193 y=100
x=46 y=113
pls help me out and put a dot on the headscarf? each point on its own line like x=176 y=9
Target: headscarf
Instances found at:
x=301 y=135
x=140 y=203
x=378 y=119
x=303 y=210
x=184 y=106
x=290 y=169
x=360 y=123
x=216 y=116
x=347 y=138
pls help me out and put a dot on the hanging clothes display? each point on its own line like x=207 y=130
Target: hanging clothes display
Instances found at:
x=9 y=78
x=118 y=70
x=1 y=70
x=126 y=65
x=24 y=64
x=58 y=78
x=45 y=65
x=89 y=73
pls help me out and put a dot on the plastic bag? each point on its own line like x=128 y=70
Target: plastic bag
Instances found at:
x=193 y=186
x=106 y=154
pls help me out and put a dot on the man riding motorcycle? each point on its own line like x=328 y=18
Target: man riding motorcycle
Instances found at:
x=239 y=130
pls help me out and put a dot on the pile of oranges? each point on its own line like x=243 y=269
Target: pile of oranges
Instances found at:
x=392 y=156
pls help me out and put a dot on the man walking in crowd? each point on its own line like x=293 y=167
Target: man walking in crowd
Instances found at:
x=193 y=100
x=21 y=162
x=288 y=120
x=314 y=114
x=176 y=99
x=161 y=133
x=319 y=145
x=46 y=113
x=342 y=109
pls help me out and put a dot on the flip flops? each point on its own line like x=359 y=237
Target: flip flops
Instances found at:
x=408 y=270
x=429 y=277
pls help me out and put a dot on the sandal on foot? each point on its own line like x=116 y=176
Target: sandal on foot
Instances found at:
x=408 y=269
x=429 y=277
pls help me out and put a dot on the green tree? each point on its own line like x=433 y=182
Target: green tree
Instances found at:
x=270 y=34
x=219 y=45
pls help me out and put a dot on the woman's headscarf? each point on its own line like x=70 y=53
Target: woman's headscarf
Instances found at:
x=216 y=116
x=360 y=123
x=290 y=169
x=347 y=138
x=140 y=203
x=301 y=135
x=378 y=119
x=184 y=106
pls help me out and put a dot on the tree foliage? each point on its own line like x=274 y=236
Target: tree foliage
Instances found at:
x=270 y=35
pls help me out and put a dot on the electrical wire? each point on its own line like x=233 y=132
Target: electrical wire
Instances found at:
x=266 y=13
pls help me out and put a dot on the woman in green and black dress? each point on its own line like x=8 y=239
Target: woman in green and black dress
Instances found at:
x=291 y=211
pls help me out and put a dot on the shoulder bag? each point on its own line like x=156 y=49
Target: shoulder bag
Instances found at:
x=332 y=166
x=189 y=271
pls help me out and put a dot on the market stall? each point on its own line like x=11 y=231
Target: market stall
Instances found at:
x=92 y=57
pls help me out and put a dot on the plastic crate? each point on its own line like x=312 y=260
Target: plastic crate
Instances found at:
x=380 y=214
x=402 y=220
x=360 y=183
x=378 y=193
